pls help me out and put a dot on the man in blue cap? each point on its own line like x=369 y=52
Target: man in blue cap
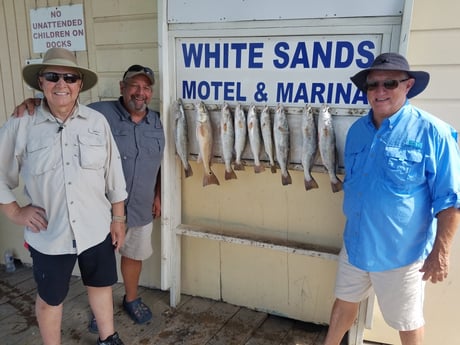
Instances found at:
x=401 y=202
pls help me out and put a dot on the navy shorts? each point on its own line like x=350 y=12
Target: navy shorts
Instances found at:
x=52 y=273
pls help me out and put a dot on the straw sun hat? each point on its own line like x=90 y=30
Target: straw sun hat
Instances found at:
x=58 y=57
x=393 y=62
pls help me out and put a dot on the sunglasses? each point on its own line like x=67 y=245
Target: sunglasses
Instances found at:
x=387 y=84
x=139 y=68
x=54 y=77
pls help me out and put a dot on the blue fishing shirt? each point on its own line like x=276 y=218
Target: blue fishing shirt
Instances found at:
x=397 y=178
x=141 y=147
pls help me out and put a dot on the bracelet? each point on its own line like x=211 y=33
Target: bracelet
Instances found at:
x=119 y=219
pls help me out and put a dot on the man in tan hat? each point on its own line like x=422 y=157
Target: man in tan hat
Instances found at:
x=75 y=187
x=401 y=201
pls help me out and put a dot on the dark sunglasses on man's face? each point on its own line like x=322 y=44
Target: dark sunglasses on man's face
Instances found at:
x=54 y=77
x=390 y=84
x=138 y=68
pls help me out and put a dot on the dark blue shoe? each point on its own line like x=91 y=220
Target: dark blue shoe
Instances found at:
x=114 y=339
x=137 y=310
x=92 y=326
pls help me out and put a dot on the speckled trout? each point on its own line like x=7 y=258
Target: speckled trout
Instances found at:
x=227 y=136
x=255 y=140
x=327 y=147
x=266 y=129
x=204 y=137
x=240 y=136
x=181 y=135
x=281 y=135
x=309 y=146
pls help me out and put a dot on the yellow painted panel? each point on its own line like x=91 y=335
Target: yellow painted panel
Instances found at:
x=108 y=8
x=435 y=48
x=200 y=265
x=296 y=286
x=129 y=31
x=430 y=15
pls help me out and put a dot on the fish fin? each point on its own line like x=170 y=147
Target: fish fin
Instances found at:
x=259 y=168
x=188 y=171
x=238 y=166
x=286 y=179
x=273 y=169
x=311 y=184
x=336 y=186
x=230 y=175
x=210 y=179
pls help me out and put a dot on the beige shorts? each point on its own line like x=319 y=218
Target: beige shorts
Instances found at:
x=138 y=242
x=399 y=292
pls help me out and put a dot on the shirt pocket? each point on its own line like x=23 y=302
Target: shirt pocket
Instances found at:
x=354 y=162
x=152 y=142
x=42 y=155
x=404 y=167
x=93 y=152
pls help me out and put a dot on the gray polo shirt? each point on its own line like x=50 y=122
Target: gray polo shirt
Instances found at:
x=141 y=147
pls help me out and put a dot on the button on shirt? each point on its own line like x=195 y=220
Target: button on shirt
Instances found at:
x=141 y=146
x=75 y=174
x=397 y=178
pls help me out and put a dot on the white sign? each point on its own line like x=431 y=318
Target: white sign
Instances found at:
x=293 y=70
x=61 y=26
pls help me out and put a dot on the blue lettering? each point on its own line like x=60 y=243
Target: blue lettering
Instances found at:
x=203 y=90
x=300 y=56
x=284 y=92
x=317 y=90
x=301 y=94
x=212 y=55
x=188 y=91
x=284 y=57
x=366 y=54
x=253 y=55
x=319 y=53
x=344 y=54
x=341 y=93
x=192 y=55
x=360 y=97
x=238 y=47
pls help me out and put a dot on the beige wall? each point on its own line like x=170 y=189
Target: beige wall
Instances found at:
x=120 y=33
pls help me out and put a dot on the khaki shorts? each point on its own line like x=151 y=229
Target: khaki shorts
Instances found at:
x=138 y=242
x=399 y=292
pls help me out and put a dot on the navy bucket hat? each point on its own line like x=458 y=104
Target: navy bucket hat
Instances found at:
x=393 y=62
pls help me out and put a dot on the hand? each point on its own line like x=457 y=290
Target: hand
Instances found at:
x=33 y=217
x=29 y=104
x=156 y=207
x=118 y=233
x=435 y=267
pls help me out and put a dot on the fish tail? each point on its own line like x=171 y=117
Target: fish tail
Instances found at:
x=311 y=184
x=210 y=179
x=238 y=166
x=188 y=171
x=259 y=168
x=286 y=179
x=273 y=168
x=336 y=186
x=230 y=175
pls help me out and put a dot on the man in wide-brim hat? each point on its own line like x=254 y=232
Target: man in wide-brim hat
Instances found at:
x=74 y=184
x=401 y=201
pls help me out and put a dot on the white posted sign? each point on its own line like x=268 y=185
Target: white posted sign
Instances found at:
x=61 y=26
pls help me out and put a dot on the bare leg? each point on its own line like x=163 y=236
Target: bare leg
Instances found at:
x=101 y=302
x=414 y=337
x=49 y=320
x=342 y=317
x=131 y=271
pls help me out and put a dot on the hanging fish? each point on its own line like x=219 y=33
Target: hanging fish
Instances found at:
x=227 y=135
x=255 y=139
x=327 y=147
x=309 y=146
x=266 y=128
x=240 y=136
x=204 y=138
x=281 y=135
x=181 y=135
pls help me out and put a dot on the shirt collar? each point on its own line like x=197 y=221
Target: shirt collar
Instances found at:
x=392 y=120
